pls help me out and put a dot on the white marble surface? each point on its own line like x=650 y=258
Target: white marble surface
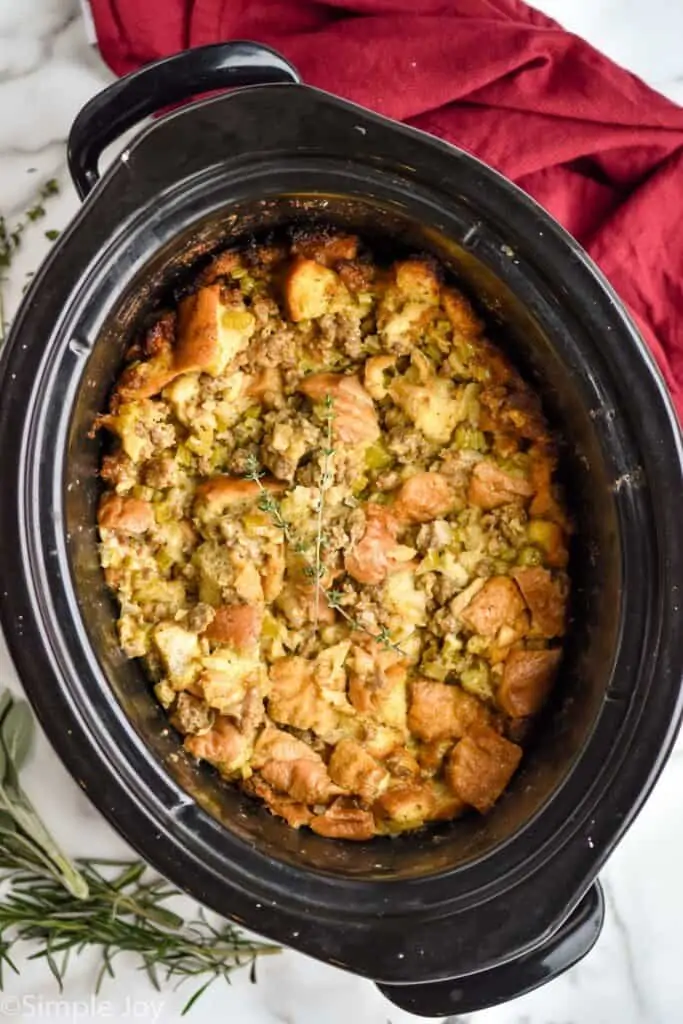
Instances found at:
x=47 y=71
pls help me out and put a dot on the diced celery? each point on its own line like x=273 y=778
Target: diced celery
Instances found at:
x=476 y=680
x=516 y=465
x=163 y=512
x=477 y=645
x=507 y=553
x=546 y=535
x=164 y=561
x=184 y=456
x=433 y=351
x=377 y=456
x=435 y=670
x=529 y=556
x=200 y=444
x=237 y=320
x=452 y=646
x=271 y=628
x=500 y=567
x=469 y=437
x=254 y=522
x=164 y=693
x=430 y=563
x=142 y=492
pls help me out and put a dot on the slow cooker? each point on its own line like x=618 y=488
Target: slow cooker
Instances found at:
x=472 y=912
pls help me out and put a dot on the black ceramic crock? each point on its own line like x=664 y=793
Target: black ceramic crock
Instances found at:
x=472 y=912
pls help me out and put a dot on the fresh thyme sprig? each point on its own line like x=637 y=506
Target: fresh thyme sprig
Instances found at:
x=383 y=636
x=325 y=476
x=11 y=237
x=314 y=570
x=66 y=907
x=267 y=502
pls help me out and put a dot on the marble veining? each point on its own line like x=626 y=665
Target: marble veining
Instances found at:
x=630 y=963
x=48 y=69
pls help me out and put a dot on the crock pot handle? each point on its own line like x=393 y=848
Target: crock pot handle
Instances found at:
x=562 y=950
x=155 y=86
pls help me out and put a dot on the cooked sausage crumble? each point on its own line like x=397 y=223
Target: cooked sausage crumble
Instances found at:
x=331 y=524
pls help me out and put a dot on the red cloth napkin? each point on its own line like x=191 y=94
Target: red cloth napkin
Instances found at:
x=598 y=148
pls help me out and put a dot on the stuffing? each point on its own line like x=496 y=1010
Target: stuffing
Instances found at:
x=309 y=289
x=439 y=711
x=528 y=677
x=480 y=767
x=354 y=418
x=331 y=519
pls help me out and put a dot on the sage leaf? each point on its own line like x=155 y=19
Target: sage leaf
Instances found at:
x=63 y=908
x=6 y=822
x=17 y=733
x=6 y=701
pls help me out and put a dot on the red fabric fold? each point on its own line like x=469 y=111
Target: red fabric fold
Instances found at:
x=597 y=147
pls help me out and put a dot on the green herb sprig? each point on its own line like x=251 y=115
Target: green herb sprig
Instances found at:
x=25 y=843
x=315 y=570
x=324 y=482
x=267 y=502
x=66 y=907
x=383 y=636
x=11 y=237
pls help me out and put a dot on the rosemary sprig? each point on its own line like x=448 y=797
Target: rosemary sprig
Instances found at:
x=122 y=914
x=11 y=237
x=66 y=907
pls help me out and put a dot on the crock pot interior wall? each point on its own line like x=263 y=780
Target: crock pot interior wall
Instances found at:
x=595 y=563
